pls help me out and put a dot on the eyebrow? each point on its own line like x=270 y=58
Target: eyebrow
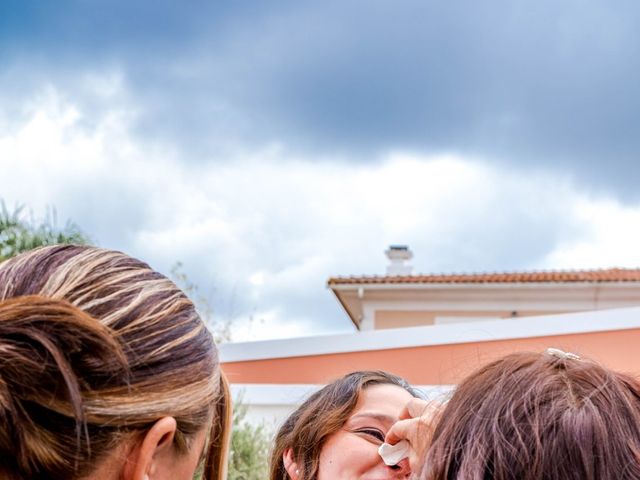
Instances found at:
x=376 y=416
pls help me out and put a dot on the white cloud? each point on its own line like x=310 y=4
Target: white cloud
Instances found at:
x=263 y=233
x=612 y=237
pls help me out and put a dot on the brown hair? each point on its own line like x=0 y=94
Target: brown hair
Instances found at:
x=95 y=347
x=533 y=416
x=321 y=415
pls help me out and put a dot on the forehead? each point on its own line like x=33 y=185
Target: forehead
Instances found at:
x=382 y=399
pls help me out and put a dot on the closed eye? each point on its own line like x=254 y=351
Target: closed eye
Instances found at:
x=371 y=432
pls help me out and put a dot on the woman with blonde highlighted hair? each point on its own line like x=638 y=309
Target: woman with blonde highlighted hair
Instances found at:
x=106 y=372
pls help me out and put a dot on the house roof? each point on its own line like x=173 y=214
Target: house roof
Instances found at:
x=567 y=276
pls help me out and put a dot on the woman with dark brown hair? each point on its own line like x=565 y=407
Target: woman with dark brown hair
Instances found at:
x=106 y=372
x=531 y=416
x=336 y=433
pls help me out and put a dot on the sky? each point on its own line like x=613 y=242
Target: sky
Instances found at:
x=269 y=145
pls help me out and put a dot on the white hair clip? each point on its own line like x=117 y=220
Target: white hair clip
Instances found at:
x=556 y=352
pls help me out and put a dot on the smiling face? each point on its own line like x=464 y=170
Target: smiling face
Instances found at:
x=352 y=452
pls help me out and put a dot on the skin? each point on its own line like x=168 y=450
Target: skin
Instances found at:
x=153 y=457
x=416 y=426
x=352 y=452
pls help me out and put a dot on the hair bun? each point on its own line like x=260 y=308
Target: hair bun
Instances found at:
x=50 y=353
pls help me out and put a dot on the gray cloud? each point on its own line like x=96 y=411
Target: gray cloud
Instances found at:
x=548 y=84
x=262 y=236
x=171 y=157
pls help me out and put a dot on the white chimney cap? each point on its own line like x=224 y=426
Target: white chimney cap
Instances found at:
x=398 y=255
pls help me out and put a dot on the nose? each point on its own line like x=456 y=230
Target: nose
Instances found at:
x=402 y=469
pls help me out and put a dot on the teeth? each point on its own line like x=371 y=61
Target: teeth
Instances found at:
x=393 y=454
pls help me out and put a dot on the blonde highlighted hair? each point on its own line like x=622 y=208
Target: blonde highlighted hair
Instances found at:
x=96 y=346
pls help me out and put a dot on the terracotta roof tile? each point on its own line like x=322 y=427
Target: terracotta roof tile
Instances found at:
x=568 y=276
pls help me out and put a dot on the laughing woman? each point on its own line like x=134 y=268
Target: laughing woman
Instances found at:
x=336 y=433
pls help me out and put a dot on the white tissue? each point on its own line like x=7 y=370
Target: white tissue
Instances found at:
x=393 y=454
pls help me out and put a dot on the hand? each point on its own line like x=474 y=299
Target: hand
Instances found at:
x=416 y=426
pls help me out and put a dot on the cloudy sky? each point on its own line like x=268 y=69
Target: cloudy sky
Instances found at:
x=268 y=145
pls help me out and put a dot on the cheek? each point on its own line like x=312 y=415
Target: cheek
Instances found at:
x=347 y=453
x=192 y=458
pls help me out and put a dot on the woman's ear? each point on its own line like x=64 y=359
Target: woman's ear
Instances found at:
x=154 y=453
x=290 y=464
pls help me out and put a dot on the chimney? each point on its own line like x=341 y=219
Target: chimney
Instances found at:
x=398 y=255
